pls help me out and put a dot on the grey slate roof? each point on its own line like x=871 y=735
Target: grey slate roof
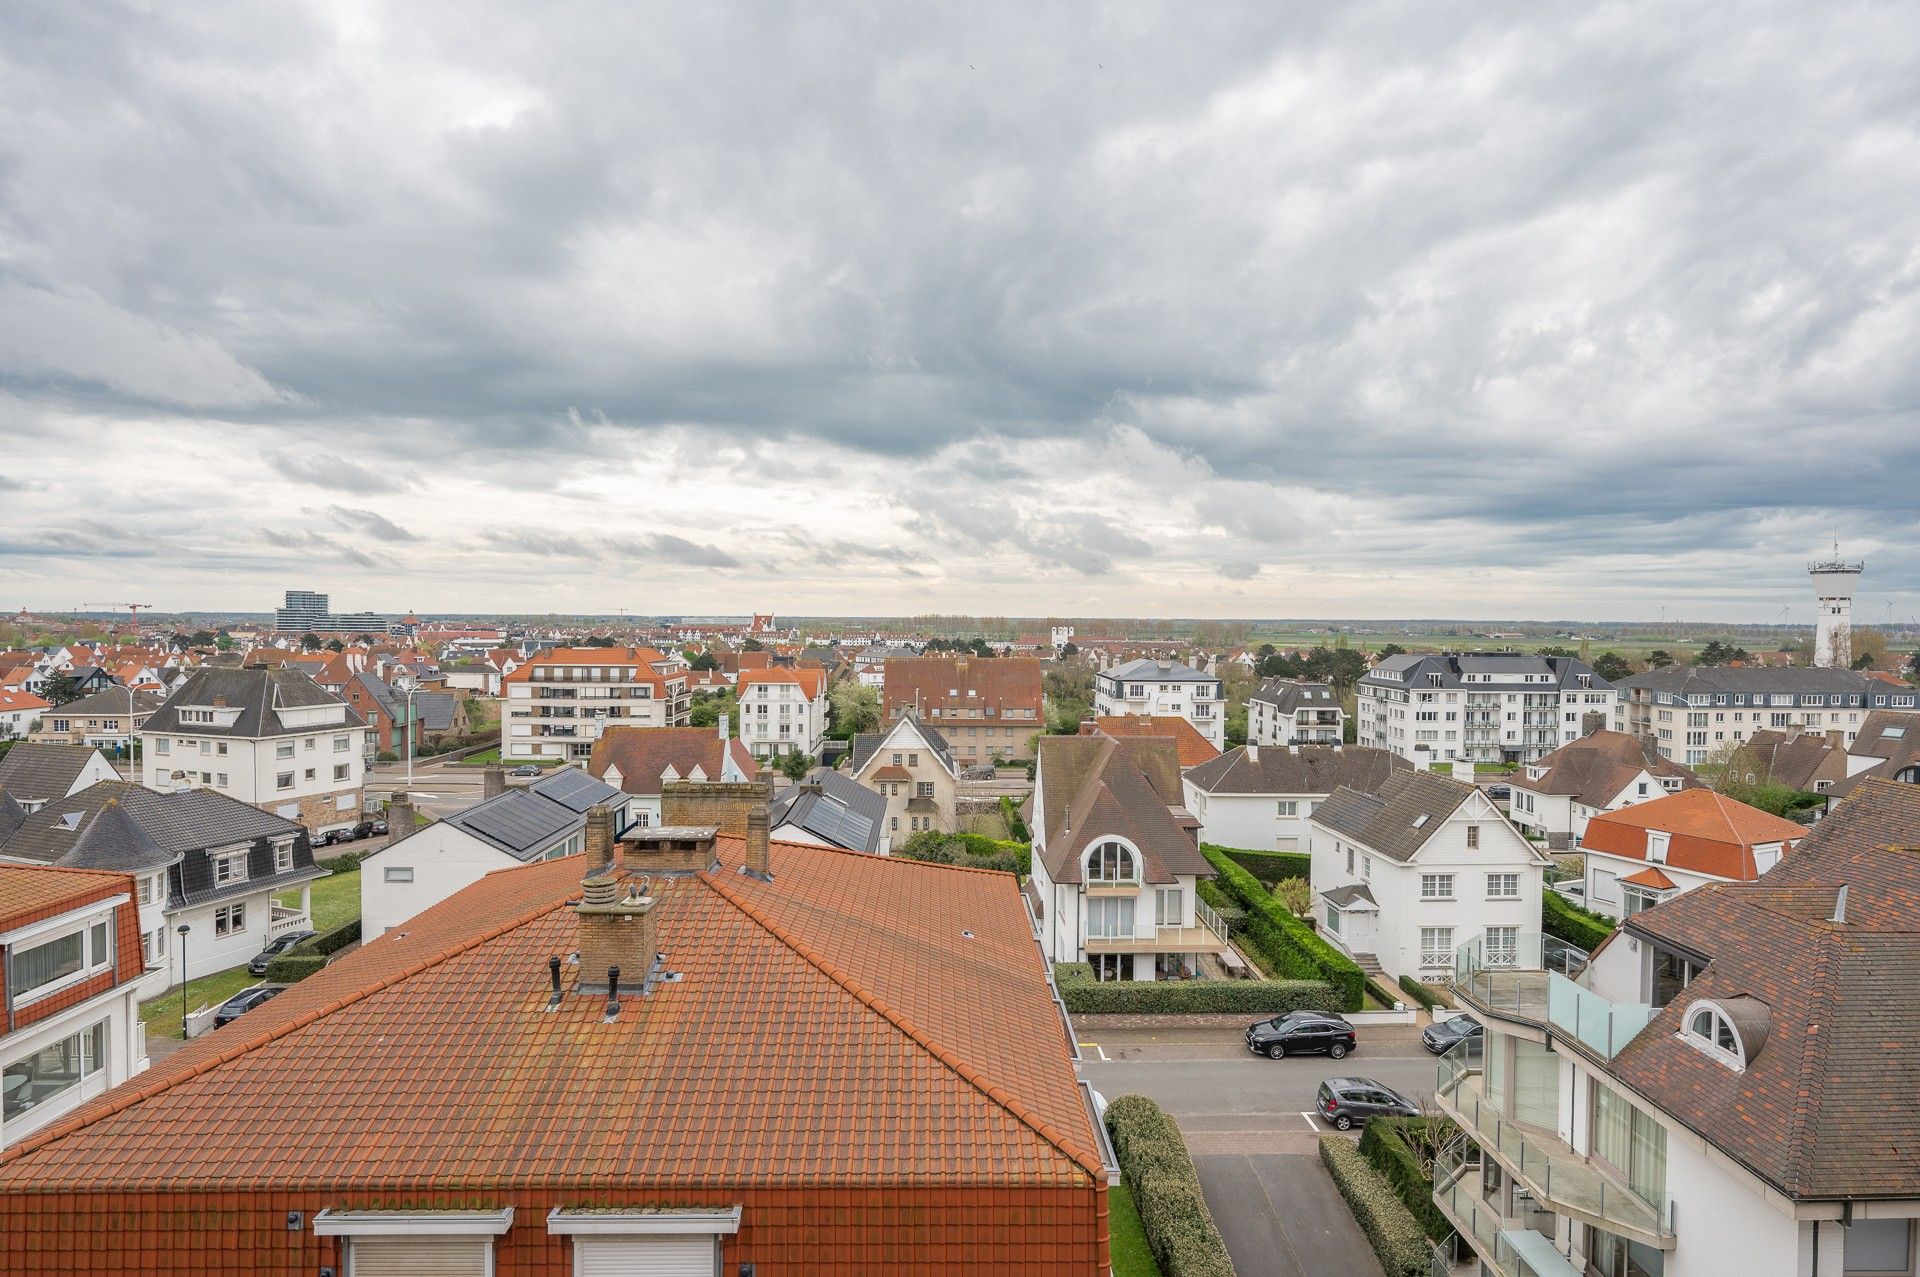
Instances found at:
x=389 y=701
x=39 y=773
x=1351 y=894
x=834 y=808
x=1147 y=670
x=1686 y=680
x=1303 y=769
x=1417 y=670
x=1385 y=821
x=1594 y=769
x=12 y=816
x=1287 y=695
x=108 y=702
x=259 y=694
x=435 y=710
x=188 y=820
x=864 y=743
x=114 y=840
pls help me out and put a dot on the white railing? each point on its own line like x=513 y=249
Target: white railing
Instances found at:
x=286 y=919
x=1209 y=919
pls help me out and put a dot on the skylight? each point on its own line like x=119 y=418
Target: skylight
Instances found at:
x=1420 y=820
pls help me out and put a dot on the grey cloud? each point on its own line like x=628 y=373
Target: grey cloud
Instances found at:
x=658 y=547
x=330 y=471
x=314 y=542
x=1239 y=571
x=371 y=523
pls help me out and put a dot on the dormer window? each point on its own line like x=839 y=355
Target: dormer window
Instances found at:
x=1657 y=846
x=1112 y=862
x=1710 y=1029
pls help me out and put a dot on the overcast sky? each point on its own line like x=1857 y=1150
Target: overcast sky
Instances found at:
x=1504 y=310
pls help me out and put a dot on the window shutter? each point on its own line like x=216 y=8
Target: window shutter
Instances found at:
x=694 y=1256
x=419 y=1256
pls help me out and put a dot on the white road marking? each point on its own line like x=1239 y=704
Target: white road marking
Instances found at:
x=1098 y=1050
x=1311 y=1124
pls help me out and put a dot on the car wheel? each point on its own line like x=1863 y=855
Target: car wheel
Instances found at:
x=1337 y=1051
x=1343 y=1123
x=1278 y=1051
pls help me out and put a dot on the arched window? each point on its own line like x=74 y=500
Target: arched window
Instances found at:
x=1709 y=1029
x=1112 y=862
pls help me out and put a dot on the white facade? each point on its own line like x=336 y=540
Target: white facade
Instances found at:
x=1088 y=922
x=778 y=717
x=1564 y=815
x=1310 y=716
x=1833 y=584
x=1475 y=873
x=20 y=713
x=1164 y=689
x=312 y=774
x=404 y=878
x=1258 y=822
x=557 y=705
x=1483 y=707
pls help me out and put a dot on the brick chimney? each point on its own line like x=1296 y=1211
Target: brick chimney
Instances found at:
x=599 y=846
x=756 y=862
x=616 y=935
x=401 y=818
x=493 y=782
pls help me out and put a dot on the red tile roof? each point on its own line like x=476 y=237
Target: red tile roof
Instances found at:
x=643 y=754
x=16 y=700
x=1649 y=877
x=943 y=688
x=640 y=659
x=808 y=679
x=1194 y=748
x=1709 y=832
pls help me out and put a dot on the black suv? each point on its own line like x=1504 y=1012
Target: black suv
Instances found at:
x=1301 y=1033
x=244 y=1001
x=1443 y=1035
x=1345 y=1101
x=275 y=947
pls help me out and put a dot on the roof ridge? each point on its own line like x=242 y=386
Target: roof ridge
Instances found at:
x=868 y=855
x=1033 y=1121
x=83 y=1118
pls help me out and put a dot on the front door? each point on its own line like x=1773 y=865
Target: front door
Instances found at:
x=1111 y=966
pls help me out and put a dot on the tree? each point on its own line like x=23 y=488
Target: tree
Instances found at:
x=310 y=641
x=60 y=690
x=224 y=642
x=1870 y=649
x=703 y=661
x=1554 y=650
x=855 y=706
x=707 y=707
x=1612 y=666
x=1392 y=649
x=753 y=645
x=795 y=765
x=1659 y=659
x=599 y=640
x=1069 y=650
x=335 y=645
x=1913 y=668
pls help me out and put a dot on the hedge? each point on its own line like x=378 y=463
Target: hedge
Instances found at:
x=1010 y=813
x=1391 y=1228
x=1287 y=944
x=1084 y=995
x=1388 y=1150
x=344 y=863
x=311 y=954
x=1419 y=992
x=1268 y=866
x=1166 y=1190
x=1565 y=920
x=975 y=850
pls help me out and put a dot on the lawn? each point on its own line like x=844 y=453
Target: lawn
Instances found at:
x=486 y=756
x=336 y=900
x=162 y=1014
x=1127 y=1240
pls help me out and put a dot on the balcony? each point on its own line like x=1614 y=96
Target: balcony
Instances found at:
x=1505 y=1245
x=1208 y=936
x=287 y=919
x=1531 y=983
x=1560 y=1179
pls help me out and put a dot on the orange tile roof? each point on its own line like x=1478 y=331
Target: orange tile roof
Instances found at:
x=13 y=699
x=641 y=659
x=1709 y=832
x=859 y=1020
x=643 y=754
x=1649 y=877
x=1194 y=748
x=933 y=684
x=31 y=892
x=808 y=680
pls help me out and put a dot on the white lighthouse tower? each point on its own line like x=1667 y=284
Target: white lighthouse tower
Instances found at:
x=1833 y=582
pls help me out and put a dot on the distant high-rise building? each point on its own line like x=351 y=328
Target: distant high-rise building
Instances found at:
x=306 y=612
x=1833 y=582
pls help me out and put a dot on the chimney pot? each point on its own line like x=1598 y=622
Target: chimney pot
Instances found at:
x=600 y=838
x=401 y=818
x=757 y=855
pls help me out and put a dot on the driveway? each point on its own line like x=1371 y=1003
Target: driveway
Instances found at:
x=1248 y=1123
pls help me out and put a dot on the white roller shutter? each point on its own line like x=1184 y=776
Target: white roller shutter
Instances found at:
x=692 y=1256
x=419 y=1257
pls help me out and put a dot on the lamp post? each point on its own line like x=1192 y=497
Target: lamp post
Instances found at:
x=184 y=928
x=410 y=718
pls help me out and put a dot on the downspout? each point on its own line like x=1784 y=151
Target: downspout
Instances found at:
x=1816 y=1249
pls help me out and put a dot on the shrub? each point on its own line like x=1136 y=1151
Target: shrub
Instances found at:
x=1287 y=945
x=1166 y=1190
x=1295 y=894
x=1565 y=920
x=1268 y=866
x=291 y=968
x=1084 y=995
x=1391 y=1229
x=329 y=942
x=1010 y=813
x=386 y=756
x=975 y=850
x=1419 y=992
x=344 y=863
x=1395 y=1146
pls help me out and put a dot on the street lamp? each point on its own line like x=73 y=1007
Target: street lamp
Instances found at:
x=410 y=717
x=184 y=928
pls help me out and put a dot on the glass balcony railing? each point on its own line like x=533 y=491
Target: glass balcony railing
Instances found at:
x=1532 y=979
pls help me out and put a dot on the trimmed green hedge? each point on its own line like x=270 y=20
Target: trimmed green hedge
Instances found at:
x=1388 y=1150
x=1564 y=920
x=1010 y=812
x=1268 y=866
x=345 y=863
x=292 y=968
x=1288 y=945
x=330 y=942
x=1419 y=992
x=1391 y=1228
x=1166 y=1190
x=1086 y=996
x=974 y=850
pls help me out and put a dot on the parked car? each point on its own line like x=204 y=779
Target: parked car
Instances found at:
x=376 y=828
x=1500 y=793
x=275 y=947
x=244 y=1001
x=525 y=769
x=1443 y=1035
x=1301 y=1033
x=984 y=771
x=1349 y=1101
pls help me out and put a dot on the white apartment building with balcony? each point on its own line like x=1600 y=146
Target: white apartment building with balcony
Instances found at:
x=783 y=710
x=1486 y=707
x=1163 y=688
x=1286 y=711
x=1692 y=712
x=557 y=702
x=1706 y=1093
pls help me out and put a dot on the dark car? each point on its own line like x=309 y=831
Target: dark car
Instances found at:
x=275 y=947
x=244 y=1001
x=528 y=770
x=376 y=828
x=1301 y=1033
x=1443 y=1035
x=1349 y=1101
x=1500 y=793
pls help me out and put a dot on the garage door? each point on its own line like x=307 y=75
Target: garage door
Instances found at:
x=418 y=1256
x=694 y=1256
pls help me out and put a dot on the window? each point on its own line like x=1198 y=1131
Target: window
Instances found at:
x=228 y=919
x=283 y=781
x=220 y=779
x=398 y=873
x=283 y=750
x=1436 y=886
x=231 y=867
x=283 y=858
x=33 y=1080
x=1631 y=1142
x=1657 y=847
x=307 y=775
x=1709 y=1028
x=1501 y=946
x=163 y=745
x=1879 y=1248
x=52 y=964
x=1503 y=886
x=1349 y=860
x=342 y=772
x=1288 y=807
x=1473 y=837
x=1111 y=862
x=1436 y=947
x=341 y=744
x=1366 y=868
x=309 y=742
x=1109 y=917
x=1169 y=907
x=146 y=891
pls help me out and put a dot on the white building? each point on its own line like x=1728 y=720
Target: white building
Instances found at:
x=69 y=943
x=544 y=821
x=272 y=738
x=1686 y=1103
x=1486 y=707
x=1693 y=712
x=1288 y=712
x=559 y=700
x=1161 y=688
x=34 y=773
x=1834 y=581
x=1262 y=797
x=1116 y=862
x=1652 y=851
x=20 y=712
x=783 y=710
x=1557 y=795
x=1403 y=875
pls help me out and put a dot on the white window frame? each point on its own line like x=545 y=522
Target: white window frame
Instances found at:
x=1492 y=894
x=614 y=1226
x=1441 y=884
x=1734 y=1057
x=373 y=1224
x=221 y=861
x=81 y=922
x=1439 y=952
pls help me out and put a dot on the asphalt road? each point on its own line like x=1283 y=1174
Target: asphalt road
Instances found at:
x=1249 y=1125
x=439 y=787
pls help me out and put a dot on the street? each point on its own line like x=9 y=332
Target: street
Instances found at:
x=1255 y=1143
x=439 y=787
